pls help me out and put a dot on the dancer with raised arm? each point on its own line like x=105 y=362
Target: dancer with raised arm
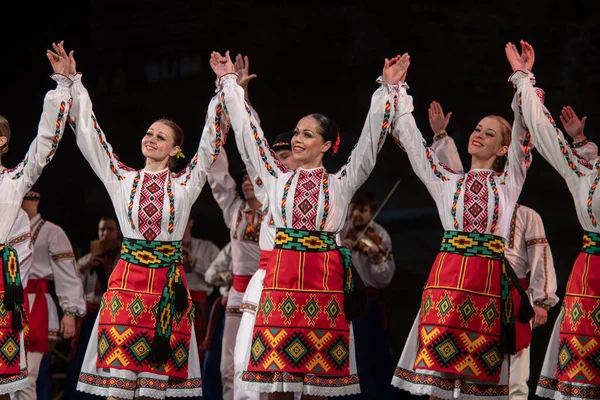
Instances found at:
x=144 y=343
x=571 y=364
x=459 y=341
x=527 y=250
x=15 y=236
x=302 y=340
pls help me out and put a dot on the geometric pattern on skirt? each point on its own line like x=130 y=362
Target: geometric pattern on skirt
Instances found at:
x=459 y=330
x=127 y=384
x=572 y=364
x=579 y=343
x=454 y=347
x=439 y=384
x=301 y=340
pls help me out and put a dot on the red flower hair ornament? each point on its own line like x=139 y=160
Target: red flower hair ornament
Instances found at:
x=336 y=145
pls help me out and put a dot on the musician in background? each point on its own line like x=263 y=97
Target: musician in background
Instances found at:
x=371 y=248
x=94 y=270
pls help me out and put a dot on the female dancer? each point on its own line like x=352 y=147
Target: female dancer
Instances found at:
x=527 y=250
x=14 y=225
x=571 y=367
x=302 y=340
x=458 y=343
x=144 y=343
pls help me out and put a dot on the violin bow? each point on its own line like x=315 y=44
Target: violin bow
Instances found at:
x=361 y=233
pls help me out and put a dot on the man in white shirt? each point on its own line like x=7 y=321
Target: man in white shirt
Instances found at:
x=53 y=261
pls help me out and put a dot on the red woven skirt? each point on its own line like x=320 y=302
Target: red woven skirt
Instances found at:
x=300 y=326
x=131 y=311
x=579 y=343
x=10 y=338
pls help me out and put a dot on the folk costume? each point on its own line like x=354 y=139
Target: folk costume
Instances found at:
x=458 y=345
x=571 y=368
x=15 y=234
x=529 y=253
x=145 y=343
x=302 y=339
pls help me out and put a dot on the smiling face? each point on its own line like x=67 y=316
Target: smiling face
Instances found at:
x=308 y=146
x=488 y=141
x=158 y=143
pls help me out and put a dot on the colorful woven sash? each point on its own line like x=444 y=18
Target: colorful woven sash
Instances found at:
x=591 y=243
x=156 y=254
x=13 y=288
x=355 y=293
x=484 y=245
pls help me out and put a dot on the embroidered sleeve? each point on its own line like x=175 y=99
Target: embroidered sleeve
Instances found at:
x=545 y=135
x=91 y=139
x=214 y=135
x=50 y=131
x=585 y=150
x=447 y=153
x=362 y=160
x=250 y=139
x=20 y=239
x=259 y=188
x=519 y=152
x=542 y=281
x=223 y=188
x=222 y=263
x=423 y=159
x=69 y=288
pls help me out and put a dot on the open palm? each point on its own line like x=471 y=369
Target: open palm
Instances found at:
x=221 y=65
x=394 y=70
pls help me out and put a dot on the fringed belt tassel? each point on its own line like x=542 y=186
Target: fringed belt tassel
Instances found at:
x=174 y=299
x=13 y=287
x=490 y=246
x=355 y=293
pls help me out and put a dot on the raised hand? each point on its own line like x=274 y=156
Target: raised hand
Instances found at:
x=242 y=68
x=520 y=62
x=437 y=120
x=221 y=65
x=573 y=125
x=528 y=54
x=394 y=70
x=61 y=62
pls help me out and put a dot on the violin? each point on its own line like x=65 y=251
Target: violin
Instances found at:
x=366 y=239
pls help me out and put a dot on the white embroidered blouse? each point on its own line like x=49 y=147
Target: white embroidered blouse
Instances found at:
x=149 y=205
x=480 y=200
x=309 y=199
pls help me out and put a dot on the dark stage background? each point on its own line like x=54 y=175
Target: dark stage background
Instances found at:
x=149 y=59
